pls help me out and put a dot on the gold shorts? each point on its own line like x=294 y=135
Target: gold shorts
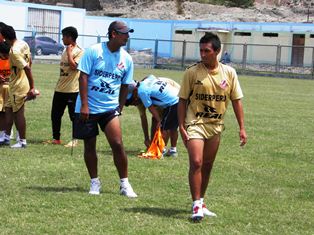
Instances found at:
x=15 y=102
x=4 y=94
x=204 y=131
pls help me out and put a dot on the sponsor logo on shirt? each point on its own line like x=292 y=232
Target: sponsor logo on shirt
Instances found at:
x=105 y=74
x=63 y=74
x=104 y=88
x=162 y=85
x=208 y=97
x=209 y=112
x=198 y=82
x=223 y=84
x=120 y=66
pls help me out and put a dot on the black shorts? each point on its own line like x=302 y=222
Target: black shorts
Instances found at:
x=170 y=118
x=89 y=128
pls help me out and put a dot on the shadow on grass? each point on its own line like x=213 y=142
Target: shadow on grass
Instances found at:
x=164 y=212
x=57 y=189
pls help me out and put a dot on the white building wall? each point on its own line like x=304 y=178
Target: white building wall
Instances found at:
x=14 y=15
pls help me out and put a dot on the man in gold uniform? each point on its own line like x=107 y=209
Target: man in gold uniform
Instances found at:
x=206 y=89
x=67 y=87
x=21 y=85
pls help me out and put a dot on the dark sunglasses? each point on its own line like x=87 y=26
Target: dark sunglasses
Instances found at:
x=118 y=32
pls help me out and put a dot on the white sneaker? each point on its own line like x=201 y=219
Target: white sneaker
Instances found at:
x=127 y=190
x=19 y=144
x=208 y=212
x=17 y=136
x=72 y=143
x=171 y=153
x=12 y=134
x=197 y=212
x=95 y=186
x=2 y=134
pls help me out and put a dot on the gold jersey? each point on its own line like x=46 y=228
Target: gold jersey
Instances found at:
x=20 y=57
x=68 y=81
x=208 y=93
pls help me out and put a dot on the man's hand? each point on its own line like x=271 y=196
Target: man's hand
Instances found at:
x=84 y=115
x=243 y=137
x=31 y=94
x=184 y=135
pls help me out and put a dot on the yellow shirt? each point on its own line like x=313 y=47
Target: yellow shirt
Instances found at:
x=68 y=80
x=208 y=94
x=20 y=57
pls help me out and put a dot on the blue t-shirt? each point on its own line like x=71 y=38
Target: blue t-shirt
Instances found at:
x=156 y=92
x=106 y=72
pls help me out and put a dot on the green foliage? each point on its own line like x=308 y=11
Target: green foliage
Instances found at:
x=240 y=3
x=265 y=188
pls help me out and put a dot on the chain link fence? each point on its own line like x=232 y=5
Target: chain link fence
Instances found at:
x=253 y=59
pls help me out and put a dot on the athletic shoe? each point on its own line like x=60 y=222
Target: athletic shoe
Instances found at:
x=72 y=143
x=19 y=144
x=171 y=153
x=127 y=190
x=12 y=134
x=4 y=142
x=95 y=186
x=197 y=212
x=208 y=212
x=56 y=142
x=2 y=134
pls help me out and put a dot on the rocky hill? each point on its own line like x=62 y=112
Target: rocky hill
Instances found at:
x=262 y=11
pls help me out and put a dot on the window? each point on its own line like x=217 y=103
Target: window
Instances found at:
x=270 y=35
x=311 y=35
x=183 y=31
x=242 y=34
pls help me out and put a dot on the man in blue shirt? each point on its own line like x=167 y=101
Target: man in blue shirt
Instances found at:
x=156 y=92
x=106 y=71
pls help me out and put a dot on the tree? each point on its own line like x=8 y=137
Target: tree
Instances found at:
x=179 y=7
x=240 y=3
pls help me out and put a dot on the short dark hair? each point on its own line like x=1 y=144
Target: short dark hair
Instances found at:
x=8 y=32
x=70 y=32
x=213 y=39
x=4 y=47
x=2 y=25
x=120 y=27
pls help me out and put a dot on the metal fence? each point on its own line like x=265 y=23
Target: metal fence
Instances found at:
x=254 y=59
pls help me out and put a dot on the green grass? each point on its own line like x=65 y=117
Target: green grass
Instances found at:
x=265 y=188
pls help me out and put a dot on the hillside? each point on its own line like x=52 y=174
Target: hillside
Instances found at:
x=262 y=11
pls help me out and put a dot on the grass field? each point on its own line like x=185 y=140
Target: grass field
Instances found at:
x=265 y=188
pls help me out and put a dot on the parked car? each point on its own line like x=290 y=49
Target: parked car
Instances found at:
x=43 y=45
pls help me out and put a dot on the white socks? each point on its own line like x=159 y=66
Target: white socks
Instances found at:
x=124 y=181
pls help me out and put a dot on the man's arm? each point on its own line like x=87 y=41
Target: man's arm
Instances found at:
x=155 y=114
x=144 y=123
x=238 y=111
x=181 y=119
x=29 y=75
x=72 y=63
x=122 y=96
x=83 y=81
